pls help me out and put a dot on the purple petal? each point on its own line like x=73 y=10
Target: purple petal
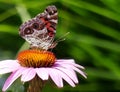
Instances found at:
x=79 y=71
x=42 y=73
x=66 y=78
x=74 y=68
x=55 y=76
x=28 y=74
x=79 y=66
x=70 y=66
x=7 y=66
x=69 y=61
x=70 y=73
x=12 y=78
x=66 y=60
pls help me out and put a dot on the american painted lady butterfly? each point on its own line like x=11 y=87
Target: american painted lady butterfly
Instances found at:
x=40 y=30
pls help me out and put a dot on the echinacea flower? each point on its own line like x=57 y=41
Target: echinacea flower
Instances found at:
x=43 y=65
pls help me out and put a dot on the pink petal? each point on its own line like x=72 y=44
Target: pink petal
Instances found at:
x=55 y=76
x=42 y=73
x=69 y=61
x=12 y=78
x=79 y=66
x=8 y=62
x=66 y=78
x=71 y=66
x=66 y=60
x=70 y=73
x=28 y=74
x=65 y=65
x=79 y=71
x=7 y=66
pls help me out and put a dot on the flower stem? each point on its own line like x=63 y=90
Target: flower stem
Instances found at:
x=35 y=85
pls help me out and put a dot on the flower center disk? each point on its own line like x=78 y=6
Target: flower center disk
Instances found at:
x=36 y=58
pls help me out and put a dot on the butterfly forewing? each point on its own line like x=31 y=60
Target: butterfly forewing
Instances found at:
x=40 y=30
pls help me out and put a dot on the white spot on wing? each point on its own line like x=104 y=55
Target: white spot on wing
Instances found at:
x=53 y=20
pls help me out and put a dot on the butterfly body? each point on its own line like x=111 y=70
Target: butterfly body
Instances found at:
x=40 y=30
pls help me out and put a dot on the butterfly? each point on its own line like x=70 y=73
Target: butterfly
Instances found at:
x=40 y=31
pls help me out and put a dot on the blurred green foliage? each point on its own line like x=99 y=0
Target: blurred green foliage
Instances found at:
x=94 y=39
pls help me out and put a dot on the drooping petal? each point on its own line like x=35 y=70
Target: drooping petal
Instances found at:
x=56 y=77
x=66 y=78
x=76 y=69
x=66 y=60
x=7 y=66
x=79 y=66
x=71 y=66
x=70 y=73
x=12 y=78
x=42 y=73
x=79 y=71
x=28 y=74
x=69 y=61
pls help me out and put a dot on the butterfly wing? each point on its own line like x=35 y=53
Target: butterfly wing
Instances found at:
x=40 y=30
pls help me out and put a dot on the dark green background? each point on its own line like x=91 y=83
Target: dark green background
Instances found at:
x=94 y=39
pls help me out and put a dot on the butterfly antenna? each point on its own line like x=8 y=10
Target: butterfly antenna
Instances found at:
x=62 y=38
